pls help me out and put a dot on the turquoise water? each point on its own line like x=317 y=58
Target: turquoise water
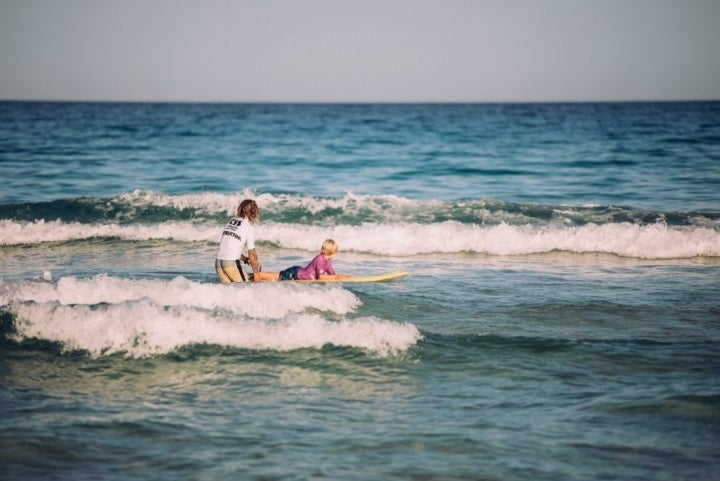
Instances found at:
x=561 y=320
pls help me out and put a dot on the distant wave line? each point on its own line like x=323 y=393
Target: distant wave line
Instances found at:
x=655 y=241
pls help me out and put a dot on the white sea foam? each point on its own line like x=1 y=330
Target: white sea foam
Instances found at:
x=392 y=208
x=143 y=328
x=228 y=202
x=207 y=201
x=20 y=233
x=106 y=315
x=655 y=241
x=268 y=300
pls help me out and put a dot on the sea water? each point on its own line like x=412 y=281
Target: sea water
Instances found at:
x=561 y=320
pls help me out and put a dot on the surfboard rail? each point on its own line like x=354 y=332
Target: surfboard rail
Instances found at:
x=387 y=276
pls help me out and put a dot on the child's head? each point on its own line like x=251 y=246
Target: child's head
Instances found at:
x=329 y=247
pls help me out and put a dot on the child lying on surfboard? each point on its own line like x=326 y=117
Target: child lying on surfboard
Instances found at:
x=319 y=268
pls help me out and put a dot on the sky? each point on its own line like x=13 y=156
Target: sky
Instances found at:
x=360 y=51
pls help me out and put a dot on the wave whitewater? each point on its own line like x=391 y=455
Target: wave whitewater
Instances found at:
x=655 y=241
x=364 y=224
x=138 y=318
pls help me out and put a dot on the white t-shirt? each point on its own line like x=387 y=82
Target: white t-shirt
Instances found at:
x=237 y=237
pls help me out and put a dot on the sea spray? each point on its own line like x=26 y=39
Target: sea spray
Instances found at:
x=144 y=328
x=106 y=315
x=652 y=241
x=40 y=231
x=267 y=300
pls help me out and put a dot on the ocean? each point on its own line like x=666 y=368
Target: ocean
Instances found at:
x=561 y=320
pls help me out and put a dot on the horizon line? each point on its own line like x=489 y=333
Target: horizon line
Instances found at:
x=356 y=102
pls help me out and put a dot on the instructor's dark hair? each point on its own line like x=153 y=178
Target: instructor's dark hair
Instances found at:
x=249 y=209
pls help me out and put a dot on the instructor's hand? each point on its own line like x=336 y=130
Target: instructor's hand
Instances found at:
x=253 y=260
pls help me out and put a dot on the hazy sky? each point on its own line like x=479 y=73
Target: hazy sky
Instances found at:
x=364 y=50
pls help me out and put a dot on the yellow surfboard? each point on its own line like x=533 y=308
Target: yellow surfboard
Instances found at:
x=389 y=276
x=376 y=278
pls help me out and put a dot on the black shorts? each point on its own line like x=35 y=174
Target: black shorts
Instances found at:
x=289 y=274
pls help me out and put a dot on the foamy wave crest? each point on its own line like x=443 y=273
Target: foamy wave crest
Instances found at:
x=267 y=300
x=656 y=241
x=210 y=202
x=106 y=315
x=355 y=209
x=273 y=203
x=20 y=233
x=143 y=328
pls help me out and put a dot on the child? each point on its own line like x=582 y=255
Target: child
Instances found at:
x=319 y=268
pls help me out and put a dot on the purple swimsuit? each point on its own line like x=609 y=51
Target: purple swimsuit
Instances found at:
x=318 y=266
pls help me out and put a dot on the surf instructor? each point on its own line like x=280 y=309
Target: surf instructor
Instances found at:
x=237 y=244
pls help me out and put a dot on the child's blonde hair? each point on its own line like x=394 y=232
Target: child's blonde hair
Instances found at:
x=329 y=247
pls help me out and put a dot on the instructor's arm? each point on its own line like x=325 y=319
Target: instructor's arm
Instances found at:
x=253 y=260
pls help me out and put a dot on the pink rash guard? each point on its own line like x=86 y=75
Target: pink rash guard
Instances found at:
x=318 y=266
